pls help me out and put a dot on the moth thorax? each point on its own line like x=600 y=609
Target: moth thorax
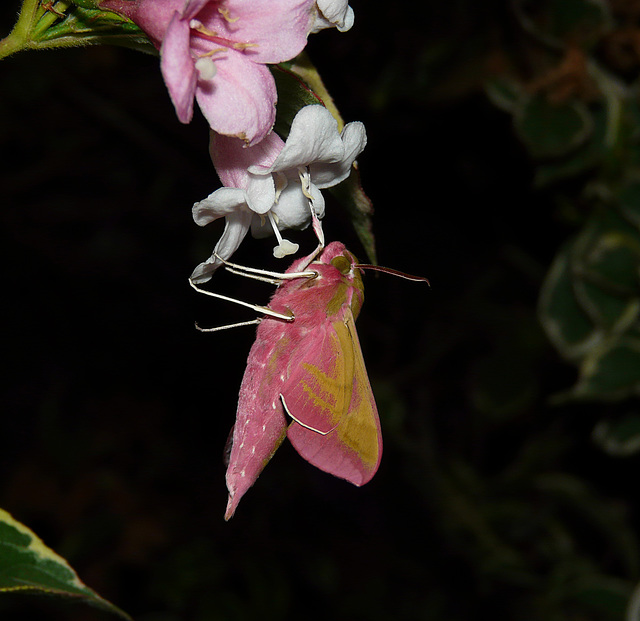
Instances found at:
x=344 y=264
x=357 y=298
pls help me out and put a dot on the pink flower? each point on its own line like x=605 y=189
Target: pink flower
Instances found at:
x=217 y=52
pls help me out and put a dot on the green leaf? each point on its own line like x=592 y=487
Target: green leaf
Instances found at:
x=567 y=324
x=585 y=158
x=602 y=595
x=293 y=94
x=629 y=198
x=505 y=93
x=590 y=302
x=27 y=565
x=551 y=130
x=579 y=20
x=611 y=373
x=633 y=609
x=302 y=67
x=620 y=438
x=86 y=24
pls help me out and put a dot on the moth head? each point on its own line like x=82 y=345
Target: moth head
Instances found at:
x=346 y=263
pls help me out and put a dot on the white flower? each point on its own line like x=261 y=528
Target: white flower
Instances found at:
x=276 y=183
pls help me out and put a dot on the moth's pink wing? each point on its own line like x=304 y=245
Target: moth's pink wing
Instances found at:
x=336 y=426
x=260 y=425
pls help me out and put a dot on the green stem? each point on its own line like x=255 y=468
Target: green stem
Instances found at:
x=49 y=18
x=18 y=39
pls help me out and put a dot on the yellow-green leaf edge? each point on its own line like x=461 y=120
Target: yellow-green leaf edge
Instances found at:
x=43 y=557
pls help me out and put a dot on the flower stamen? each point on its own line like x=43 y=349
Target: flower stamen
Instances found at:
x=243 y=46
x=198 y=26
x=225 y=13
x=205 y=67
x=305 y=180
x=280 y=180
x=211 y=35
x=284 y=247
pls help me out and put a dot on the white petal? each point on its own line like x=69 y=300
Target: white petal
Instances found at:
x=336 y=13
x=261 y=193
x=318 y=201
x=347 y=22
x=235 y=230
x=292 y=209
x=354 y=139
x=313 y=137
x=326 y=175
x=222 y=202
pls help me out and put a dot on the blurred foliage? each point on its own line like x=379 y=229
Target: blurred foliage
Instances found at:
x=577 y=115
x=502 y=156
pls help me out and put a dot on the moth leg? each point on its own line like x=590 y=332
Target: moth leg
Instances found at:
x=228 y=326
x=260 y=309
x=272 y=281
x=297 y=420
x=273 y=277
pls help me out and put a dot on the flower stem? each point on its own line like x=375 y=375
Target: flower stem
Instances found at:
x=18 y=39
x=49 y=18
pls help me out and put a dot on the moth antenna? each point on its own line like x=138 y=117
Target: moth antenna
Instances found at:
x=260 y=309
x=392 y=272
x=257 y=273
x=297 y=420
x=228 y=326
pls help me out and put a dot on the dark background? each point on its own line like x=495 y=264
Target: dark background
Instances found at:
x=490 y=501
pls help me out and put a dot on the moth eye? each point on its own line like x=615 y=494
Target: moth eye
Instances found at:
x=342 y=264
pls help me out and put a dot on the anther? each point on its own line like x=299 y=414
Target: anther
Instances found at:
x=284 y=247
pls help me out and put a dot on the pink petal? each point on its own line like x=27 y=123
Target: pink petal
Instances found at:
x=231 y=157
x=240 y=100
x=193 y=7
x=278 y=28
x=178 y=67
x=152 y=16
